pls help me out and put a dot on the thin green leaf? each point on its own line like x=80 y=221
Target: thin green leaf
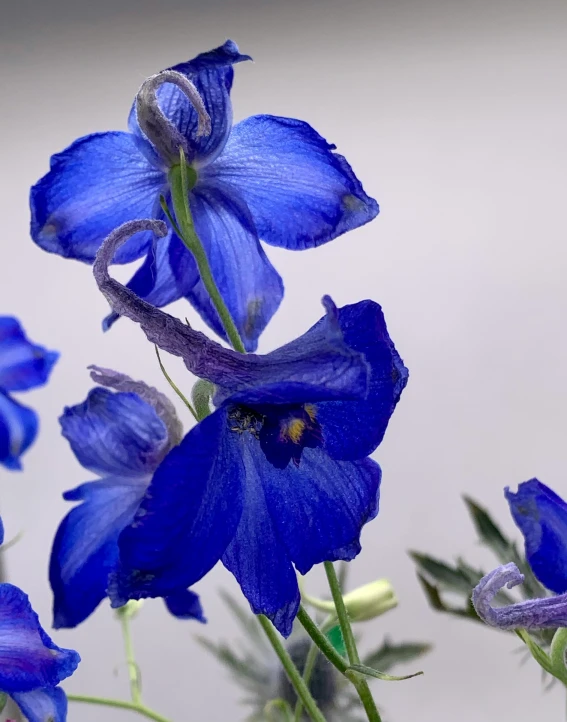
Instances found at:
x=361 y=669
x=448 y=578
x=389 y=654
x=489 y=532
x=335 y=637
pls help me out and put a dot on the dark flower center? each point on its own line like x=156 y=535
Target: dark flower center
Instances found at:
x=283 y=432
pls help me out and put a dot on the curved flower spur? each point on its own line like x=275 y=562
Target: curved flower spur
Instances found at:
x=266 y=178
x=278 y=475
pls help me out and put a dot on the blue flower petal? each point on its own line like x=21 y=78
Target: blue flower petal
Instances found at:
x=95 y=185
x=185 y=605
x=353 y=429
x=23 y=365
x=85 y=549
x=212 y=74
x=250 y=286
x=541 y=516
x=257 y=556
x=115 y=433
x=300 y=193
x=187 y=518
x=28 y=657
x=43 y=705
x=317 y=366
x=168 y=274
x=18 y=429
x=322 y=518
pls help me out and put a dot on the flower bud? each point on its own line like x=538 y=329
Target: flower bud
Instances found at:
x=370 y=600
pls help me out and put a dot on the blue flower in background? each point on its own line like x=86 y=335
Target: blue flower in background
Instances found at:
x=122 y=436
x=23 y=366
x=31 y=665
x=541 y=516
x=278 y=475
x=265 y=178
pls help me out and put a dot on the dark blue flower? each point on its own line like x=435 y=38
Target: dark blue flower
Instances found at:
x=31 y=665
x=541 y=516
x=266 y=178
x=277 y=476
x=23 y=366
x=122 y=437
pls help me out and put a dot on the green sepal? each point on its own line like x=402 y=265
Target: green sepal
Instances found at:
x=201 y=396
x=389 y=654
x=364 y=671
x=335 y=637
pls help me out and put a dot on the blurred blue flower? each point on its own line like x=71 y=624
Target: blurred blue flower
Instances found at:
x=269 y=178
x=121 y=436
x=31 y=665
x=278 y=475
x=541 y=516
x=23 y=366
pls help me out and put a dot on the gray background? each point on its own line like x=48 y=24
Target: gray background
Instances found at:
x=453 y=115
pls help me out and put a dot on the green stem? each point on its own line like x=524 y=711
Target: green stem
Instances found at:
x=291 y=670
x=311 y=658
x=174 y=386
x=118 y=704
x=133 y=671
x=360 y=684
x=321 y=641
x=180 y=197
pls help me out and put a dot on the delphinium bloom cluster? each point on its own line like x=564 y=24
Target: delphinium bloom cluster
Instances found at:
x=275 y=476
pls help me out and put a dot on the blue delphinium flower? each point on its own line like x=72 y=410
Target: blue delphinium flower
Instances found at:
x=23 y=366
x=31 y=665
x=122 y=436
x=278 y=475
x=266 y=178
x=541 y=516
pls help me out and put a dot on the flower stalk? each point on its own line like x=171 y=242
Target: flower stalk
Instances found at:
x=360 y=684
x=301 y=689
x=179 y=184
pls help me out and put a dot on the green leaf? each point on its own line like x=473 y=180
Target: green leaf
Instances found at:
x=3 y=701
x=488 y=531
x=437 y=603
x=335 y=637
x=389 y=654
x=446 y=577
x=365 y=671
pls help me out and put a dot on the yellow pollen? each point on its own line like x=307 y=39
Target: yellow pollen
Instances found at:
x=294 y=430
x=311 y=411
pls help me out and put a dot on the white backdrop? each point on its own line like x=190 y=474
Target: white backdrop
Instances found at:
x=453 y=115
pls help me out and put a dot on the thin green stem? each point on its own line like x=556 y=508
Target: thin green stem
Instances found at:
x=321 y=641
x=360 y=684
x=291 y=670
x=311 y=658
x=179 y=184
x=118 y=704
x=175 y=387
x=133 y=670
